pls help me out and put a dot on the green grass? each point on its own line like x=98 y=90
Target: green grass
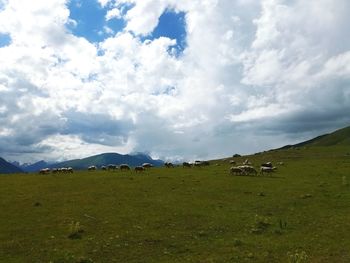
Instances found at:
x=183 y=215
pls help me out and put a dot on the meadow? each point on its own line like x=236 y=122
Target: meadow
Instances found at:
x=301 y=213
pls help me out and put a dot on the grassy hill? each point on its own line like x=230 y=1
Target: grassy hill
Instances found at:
x=339 y=137
x=109 y=158
x=202 y=214
x=6 y=167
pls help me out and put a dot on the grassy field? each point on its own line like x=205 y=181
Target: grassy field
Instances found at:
x=299 y=214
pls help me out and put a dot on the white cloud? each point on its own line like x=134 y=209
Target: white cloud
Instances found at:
x=113 y=13
x=104 y=3
x=143 y=18
x=251 y=73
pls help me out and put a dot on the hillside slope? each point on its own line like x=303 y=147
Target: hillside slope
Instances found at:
x=109 y=158
x=338 y=137
x=7 y=168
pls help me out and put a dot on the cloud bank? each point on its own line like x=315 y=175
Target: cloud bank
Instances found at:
x=253 y=76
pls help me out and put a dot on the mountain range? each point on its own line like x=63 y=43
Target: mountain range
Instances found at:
x=8 y=168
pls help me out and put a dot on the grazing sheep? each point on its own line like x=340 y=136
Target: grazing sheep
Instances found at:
x=104 y=168
x=55 y=170
x=236 y=171
x=197 y=164
x=205 y=163
x=248 y=170
x=201 y=163
x=168 y=165
x=112 y=167
x=92 y=168
x=63 y=170
x=186 y=164
x=123 y=167
x=268 y=170
x=147 y=165
x=247 y=162
x=232 y=162
x=139 y=169
x=44 y=171
x=268 y=164
x=70 y=170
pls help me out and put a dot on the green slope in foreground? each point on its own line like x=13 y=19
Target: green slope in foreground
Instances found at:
x=299 y=214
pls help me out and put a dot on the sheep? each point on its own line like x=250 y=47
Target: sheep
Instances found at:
x=205 y=163
x=123 y=167
x=104 y=168
x=264 y=169
x=63 y=170
x=147 y=165
x=197 y=164
x=139 y=169
x=268 y=164
x=186 y=164
x=248 y=170
x=112 y=167
x=236 y=171
x=247 y=162
x=201 y=163
x=44 y=171
x=232 y=162
x=92 y=168
x=168 y=165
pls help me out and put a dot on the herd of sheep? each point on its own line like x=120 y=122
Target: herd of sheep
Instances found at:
x=248 y=169
x=110 y=167
x=56 y=170
x=245 y=169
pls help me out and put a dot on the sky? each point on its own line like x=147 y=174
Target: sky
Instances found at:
x=177 y=79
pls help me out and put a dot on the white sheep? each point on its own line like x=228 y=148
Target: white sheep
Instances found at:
x=236 y=171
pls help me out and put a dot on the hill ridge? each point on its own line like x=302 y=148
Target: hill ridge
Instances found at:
x=337 y=137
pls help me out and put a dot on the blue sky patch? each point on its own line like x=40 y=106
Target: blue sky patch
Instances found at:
x=172 y=25
x=5 y=40
x=91 y=22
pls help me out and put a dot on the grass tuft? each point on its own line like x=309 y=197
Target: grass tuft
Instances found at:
x=261 y=224
x=297 y=257
x=75 y=230
x=345 y=181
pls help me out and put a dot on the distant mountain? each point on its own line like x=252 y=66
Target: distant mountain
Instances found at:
x=15 y=163
x=109 y=158
x=35 y=167
x=8 y=168
x=338 y=137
